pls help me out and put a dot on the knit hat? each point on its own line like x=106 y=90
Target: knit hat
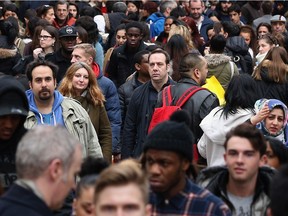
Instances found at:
x=172 y=136
x=67 y=31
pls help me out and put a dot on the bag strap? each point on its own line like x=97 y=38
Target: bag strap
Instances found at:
x=232 y=69
x=166 y=96
x=188 y=94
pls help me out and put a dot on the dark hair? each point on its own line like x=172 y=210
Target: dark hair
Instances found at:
x=234 y=7
x=43 y=10
x=209 y=27
x=10 y=7
x=30 y=67
x=122 y=26
x=236 y=94
x=188 y=62
x=248 y=29
x=54 y=33
x=267 y=25
x=278 y=195
x=167 y=57
x=231 y=28
x=82 y=34
x=279 y=149
x=250 y=132
x=196 y=38
x=176 y=48
x=88 y=11
x=77 y=8
x=85 y=183
x=138 y=57
x=93 y=166
x=29 y=13
x=150 y=6
x=178 y=12
x=217 y=44
x=134 y=24
x=267 y=7
x=90 y=26
x=10 y=29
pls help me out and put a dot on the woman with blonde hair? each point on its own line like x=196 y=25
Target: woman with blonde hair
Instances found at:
x=80 y=83
x=271 y=75
x=184 y=32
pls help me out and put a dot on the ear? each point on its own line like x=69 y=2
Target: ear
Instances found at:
x=197 y=73
x=225 y=157
x=55 y=170
x=30 y=84
x=55 y=83
x=137 y=66
x=90 y=60
x=185 y=164
x=168 y=67
x=263 y=160
x=148 y=210
x=225 y=35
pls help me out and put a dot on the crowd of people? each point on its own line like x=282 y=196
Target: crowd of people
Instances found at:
x=85 y=92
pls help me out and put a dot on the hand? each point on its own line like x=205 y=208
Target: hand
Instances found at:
x=261 y=115
x=36 y=52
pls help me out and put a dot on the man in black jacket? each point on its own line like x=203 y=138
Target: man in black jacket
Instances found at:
x=142 y=104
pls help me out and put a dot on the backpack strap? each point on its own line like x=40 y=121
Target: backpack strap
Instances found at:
x=188 y=94
x=166 y=96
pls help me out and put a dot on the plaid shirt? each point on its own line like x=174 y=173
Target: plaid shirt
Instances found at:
x=193 y=200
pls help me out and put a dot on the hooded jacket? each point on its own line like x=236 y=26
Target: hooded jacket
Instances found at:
x=215 y=179
x=219 y=66
x=156 y=21
x=8 y=147
x=215 y=127
x=73 y=116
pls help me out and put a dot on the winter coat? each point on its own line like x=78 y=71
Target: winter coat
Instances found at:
x=215 y=179
x=238 y=50
x=211 y=144
x=9 y=56
x=121 y=64
x=219 y=66
x=156 y=21
x=138 y=116
x=206 y=22
x=269 y=89
x=21 y=201
x=75 y=119
x=100 y=121
x=112 y=106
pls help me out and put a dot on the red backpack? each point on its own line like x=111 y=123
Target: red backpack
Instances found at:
x=163 y=113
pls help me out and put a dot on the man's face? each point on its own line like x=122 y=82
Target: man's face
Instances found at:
x=165 y=169
x=84 y=204
x=278 y=27
x=121 y=200
x=242 y=160
x=134 y=37
x=196 y=10
x=67 y=180
x=68 y=43
x=143 y=67
x=158 y=69
x=8 y=125
x=225 y=6
x=80 y=55
x=235 y=17
x=43 y=84
x=62 y=12
x=203 y=71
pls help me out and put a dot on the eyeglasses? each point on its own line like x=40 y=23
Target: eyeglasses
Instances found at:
x=44 y=37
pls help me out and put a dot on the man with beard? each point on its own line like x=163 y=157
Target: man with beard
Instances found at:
x=13 y=112
x=167 y=160
x=47 y=106
x=62 y=57
x=193 y=70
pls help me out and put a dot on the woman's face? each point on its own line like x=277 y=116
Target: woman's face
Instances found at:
x=264 y=47
x=131 y=7
x=46 y=40
x=275 y=121
x=272 y=159
x=80 y=80
x=167 y=25
x=120 y=37
x=50 y=16
x=246 y=37
x=262 y=31
x=73 y=10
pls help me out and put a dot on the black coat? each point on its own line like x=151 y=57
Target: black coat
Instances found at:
x=20 y=201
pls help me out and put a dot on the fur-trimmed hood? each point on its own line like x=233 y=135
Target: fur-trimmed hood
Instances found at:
x=8 y=53
x=215 y=60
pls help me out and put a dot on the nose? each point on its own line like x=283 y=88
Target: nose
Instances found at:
x=154 y=169
x=73 y=60
x=240 y=158
x=275 y=121
x=8 y=122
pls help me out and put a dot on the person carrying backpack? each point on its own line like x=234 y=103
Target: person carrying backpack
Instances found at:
x=193 y=71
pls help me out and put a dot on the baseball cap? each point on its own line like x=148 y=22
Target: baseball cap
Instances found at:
x=278 y=18
x=67 y=31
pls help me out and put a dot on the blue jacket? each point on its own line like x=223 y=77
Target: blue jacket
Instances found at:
x=156 y=21
x=112 y=106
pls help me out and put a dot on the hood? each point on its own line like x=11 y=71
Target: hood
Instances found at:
x=12 y=98
x=7 y=53
x=237 y=45
x=154 y=17
x=58 y=98
x=215 y=126
x=214 y=60
x=97 y=70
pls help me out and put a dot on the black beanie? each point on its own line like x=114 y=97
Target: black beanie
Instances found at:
x=171 y=136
